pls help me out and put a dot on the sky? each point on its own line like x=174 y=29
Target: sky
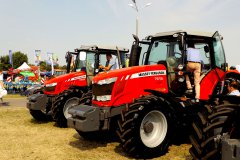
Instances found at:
x=58 y=26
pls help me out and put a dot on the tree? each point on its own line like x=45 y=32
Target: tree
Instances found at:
x=4 y=63
x=19 y=58
x=44 y=66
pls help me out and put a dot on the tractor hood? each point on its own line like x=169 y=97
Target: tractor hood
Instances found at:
x=65 y=77
x=120 y=86
x=130 y=72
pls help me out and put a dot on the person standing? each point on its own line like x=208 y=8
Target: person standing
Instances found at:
x=1 y=75
x=193 y=65
x=3 y=91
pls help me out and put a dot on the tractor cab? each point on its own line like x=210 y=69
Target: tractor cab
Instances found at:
x=71 y=59
x=92 y=57
x=170 y=49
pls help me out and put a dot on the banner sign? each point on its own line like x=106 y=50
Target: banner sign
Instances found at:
x=37 y=57
x=10 y=57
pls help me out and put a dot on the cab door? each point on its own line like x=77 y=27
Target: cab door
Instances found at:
x=216 y=74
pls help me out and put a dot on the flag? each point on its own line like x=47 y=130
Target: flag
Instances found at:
x=55 y=59
x=50 y=60
x=37 y=57
x=10 y=57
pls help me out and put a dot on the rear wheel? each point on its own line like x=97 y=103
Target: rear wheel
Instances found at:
x=146 y=128
x=207 y=127
x=64 y=101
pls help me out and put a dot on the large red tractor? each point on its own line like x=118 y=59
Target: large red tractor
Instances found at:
x=64 y=91
x=148 y=101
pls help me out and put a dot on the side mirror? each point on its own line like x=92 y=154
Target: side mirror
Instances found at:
x=180 y=38
x=206 y=49
x=224 y=66
x=83 y=56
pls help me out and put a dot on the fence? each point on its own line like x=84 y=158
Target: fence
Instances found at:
x=17 y=87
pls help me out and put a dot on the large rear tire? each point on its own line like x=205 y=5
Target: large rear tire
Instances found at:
x=146 y=128
x=64 y=101
x=207 y=127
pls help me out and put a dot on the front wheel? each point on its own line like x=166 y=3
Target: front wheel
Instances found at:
x=39 y=115
x=63 y=103
x=153 y=128
x=146 y=128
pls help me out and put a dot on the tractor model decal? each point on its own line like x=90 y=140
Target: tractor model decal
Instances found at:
x=83 y=77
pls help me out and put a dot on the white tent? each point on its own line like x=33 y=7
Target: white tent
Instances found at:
x=24 y=67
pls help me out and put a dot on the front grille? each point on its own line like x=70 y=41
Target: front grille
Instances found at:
x=105 y=89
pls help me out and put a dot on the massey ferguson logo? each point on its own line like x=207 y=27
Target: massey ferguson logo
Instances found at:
x=148 y=74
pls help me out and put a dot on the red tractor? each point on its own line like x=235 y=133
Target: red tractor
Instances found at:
x=64 y=91
x=148 y=101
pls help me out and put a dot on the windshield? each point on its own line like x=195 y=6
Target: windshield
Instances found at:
x=164 y=51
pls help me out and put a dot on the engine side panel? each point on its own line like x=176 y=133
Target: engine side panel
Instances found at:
x=65 y=81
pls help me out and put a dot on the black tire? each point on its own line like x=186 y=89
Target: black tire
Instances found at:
x=86 y=98
x=94 y=136
x=39 y=115
x=138 y=144
x=97 y=135
x=206 y=127
x=63 y=102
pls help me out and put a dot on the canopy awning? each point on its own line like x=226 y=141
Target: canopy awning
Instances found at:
x=24 y=67
x=27 y=73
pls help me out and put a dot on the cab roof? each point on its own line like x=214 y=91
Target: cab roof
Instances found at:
x=189 y=32
x=102 y=47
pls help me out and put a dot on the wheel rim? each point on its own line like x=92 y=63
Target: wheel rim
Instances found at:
x=69 y=103
x=153 y=129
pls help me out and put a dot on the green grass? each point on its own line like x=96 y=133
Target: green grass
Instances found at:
x=24 y=138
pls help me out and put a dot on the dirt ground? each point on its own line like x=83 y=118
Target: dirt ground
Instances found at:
x=24 y=138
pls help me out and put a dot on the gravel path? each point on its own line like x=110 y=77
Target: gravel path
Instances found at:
x=15 y=102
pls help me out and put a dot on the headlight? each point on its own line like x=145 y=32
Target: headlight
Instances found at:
x=104 y=98
x=107 y=81
x=180 y=66
x=51 y=85
x=181 y=79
